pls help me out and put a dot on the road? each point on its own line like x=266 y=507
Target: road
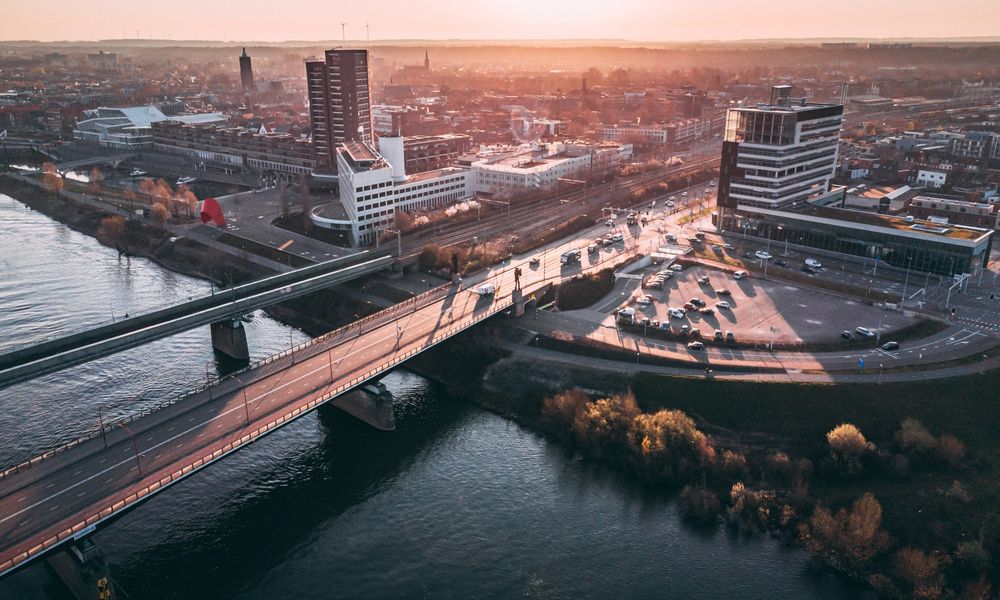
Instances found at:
x=72 y=490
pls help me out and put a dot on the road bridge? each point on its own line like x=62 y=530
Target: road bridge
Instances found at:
x=66 y=493
x=112 y=160
x=218 y=309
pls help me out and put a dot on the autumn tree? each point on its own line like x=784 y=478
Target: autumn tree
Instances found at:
x=851 y=537
x=159 y=213
x=51 y=179
x=848 y=446
x=96 y=177
x=111 y=230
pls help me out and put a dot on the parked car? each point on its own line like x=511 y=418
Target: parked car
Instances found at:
x=722 y=292
x=617 y=237
x=706 y=311
x=718 y=335
x=717 y=248
x=695 y=346
x=695 y=332
x=610 y=222
x=675 y=313
x=671 y=238
x=728 y=246
x=656 y=284
x=592 y=248
x=723 y=305
x=812 y=262
x=864 y=332
x=730 y=337
x=684 y=329
x=781 y=262
x=677 y=268
x=740 y=275
x=645 y=321
x=697 y=301
x=762 y=255
x=889 y=346
x=664 y=326
x=847 y=335
x=607 y=241
x=644 y=300
x=689 y=306
x=703 y=279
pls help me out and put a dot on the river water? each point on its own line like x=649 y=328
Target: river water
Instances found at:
x=456 y=503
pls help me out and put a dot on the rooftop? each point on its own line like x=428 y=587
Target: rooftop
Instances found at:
x=957 y=232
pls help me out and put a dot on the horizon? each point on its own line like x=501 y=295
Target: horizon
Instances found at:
x=643 y=22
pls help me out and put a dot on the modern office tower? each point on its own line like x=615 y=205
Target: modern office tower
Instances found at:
x=246 y=71
x=778 y=155
x=339 y=102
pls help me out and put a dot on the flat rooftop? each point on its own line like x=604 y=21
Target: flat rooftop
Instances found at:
x=918 y=226
x=360 y=152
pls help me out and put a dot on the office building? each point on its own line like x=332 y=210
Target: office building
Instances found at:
x=339 y=102
x=774 y=183
x=246 y=72
x=129 y=128
x=262 y=152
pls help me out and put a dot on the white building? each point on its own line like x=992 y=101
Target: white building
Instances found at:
x=128 y=128
x=931 y=179
x=779 y=154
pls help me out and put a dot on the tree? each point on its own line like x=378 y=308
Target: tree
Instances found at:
x=51 y=179
x=96 y=177
x=851 y=537
x=159 y=214
x=847 y=446
x=111 y=230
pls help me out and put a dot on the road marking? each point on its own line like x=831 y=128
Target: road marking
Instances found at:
x=81 y=493
x=78 y=472
x=22 y=498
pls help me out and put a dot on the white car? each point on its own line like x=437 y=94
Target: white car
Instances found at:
x=676 y=313
x=626 y=312
x=677 y=268
x=864 y=332
x=670 y=204
x=644 y=300
x=812 y=262
x=762 y=255
x=617 y=237
x=487 y=289
x=723 y=305
x=740 y=275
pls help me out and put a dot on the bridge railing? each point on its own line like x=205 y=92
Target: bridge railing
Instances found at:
x=94 y=518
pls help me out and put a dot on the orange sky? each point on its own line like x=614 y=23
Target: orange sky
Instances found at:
x=641 y=20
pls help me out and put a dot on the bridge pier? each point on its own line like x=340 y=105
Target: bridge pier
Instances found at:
x=230 y=338
x=84 y=571
x=371 y=403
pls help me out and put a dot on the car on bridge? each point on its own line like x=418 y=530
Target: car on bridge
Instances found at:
x=534 y=262
x=812 y=262
x=762 y=255
x=696 y=346
x=487 y=289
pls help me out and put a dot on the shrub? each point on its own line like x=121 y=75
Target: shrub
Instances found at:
x=779 y=466
x=750 y=509
x=851 y=536
x=428 y=258
x=699 y=504
x=914 y=437
x=950 y=450
x=847 y=446
x=920 y=571
x=972 y=556
x=667 y=445
x=733 y=464
x=605 y=424
x=562 y=407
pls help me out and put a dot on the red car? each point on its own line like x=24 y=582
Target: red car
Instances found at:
x=689 y=306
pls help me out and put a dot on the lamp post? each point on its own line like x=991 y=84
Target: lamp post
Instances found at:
x=246 y=408
x=100 y=419
x=135 y=449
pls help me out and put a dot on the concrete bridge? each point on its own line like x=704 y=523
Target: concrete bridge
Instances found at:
x=221 y=310
x=112 y=160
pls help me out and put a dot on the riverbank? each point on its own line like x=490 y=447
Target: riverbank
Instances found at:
x=903 y=499
x=315 y=314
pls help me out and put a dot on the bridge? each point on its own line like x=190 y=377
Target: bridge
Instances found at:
x=219 y=310
x=112 y=159
x=66 y=493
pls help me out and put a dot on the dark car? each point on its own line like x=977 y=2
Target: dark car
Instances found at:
x=722 y=292
x=808 y=269
x=749 y=255
x=888 y=346
x=847 y=335
x=706 y=311
x=697 y=301
x=781 y=262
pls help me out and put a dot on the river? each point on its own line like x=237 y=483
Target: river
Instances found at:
x=456 y=503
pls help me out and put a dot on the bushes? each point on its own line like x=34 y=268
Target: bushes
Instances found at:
x=850 y=538
x=914 y=439
x=848 y=446
x=750 y=510
x=921 y=572
x=585 y=291
x=700 y=504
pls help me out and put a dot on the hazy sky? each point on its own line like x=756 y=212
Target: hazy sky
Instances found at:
x=645 y=20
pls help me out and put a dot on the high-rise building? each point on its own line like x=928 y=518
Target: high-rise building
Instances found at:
x=778 y=155
x=339 y=102
x=246 y=71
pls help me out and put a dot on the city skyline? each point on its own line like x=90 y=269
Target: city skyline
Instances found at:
x=644 y=21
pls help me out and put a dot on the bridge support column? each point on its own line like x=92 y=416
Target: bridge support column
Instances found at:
x=517 y=296
x=371 y=403
x=83 y=569
x=230 y=338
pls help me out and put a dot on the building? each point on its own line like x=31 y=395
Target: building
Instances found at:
x=264 y=152
x=931 y=179
x=509 y=170
x=946 y=211
x=339 y=102
x=103 y=61
x=129 y=128
x=780 y=154
x=774 y=183
x=650 y=134
x=973 y=145
x=246 y=72
x=432 y=152
x=374 y=186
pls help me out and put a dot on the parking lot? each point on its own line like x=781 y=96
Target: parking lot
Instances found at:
x=761 y=310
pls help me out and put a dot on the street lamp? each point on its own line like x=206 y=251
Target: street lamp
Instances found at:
x=902 y=299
